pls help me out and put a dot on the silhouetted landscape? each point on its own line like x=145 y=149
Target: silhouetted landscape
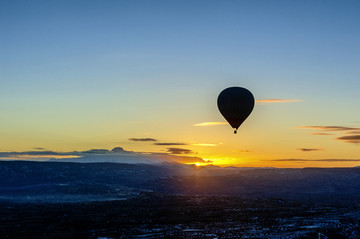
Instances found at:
x=111 y=200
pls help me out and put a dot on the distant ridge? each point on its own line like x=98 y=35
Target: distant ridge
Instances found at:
x=70 y=181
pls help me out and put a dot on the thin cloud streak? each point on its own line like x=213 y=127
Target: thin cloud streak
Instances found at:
x=210 y=123
x=353 y=139
x=116 y=155
x=277 y=101
x=179 y=151
x=321 y=134
x=352 y=134
x=169 y=144
x=205 y=145
x=241 y=151
x=309 y=150
x=143 y=139
x=37 y=157
x=330 y=128
x=315 y=160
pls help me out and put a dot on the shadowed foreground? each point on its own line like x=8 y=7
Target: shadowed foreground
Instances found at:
x=109 y=200
x=152 y=215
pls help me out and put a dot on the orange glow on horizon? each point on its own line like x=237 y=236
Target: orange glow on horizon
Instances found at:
x=198 y=164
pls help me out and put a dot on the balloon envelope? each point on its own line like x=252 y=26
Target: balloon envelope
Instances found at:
x=235 y=104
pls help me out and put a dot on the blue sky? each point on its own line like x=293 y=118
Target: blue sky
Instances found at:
x=83 y=73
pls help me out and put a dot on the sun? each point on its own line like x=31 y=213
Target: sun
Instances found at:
x=197 y=164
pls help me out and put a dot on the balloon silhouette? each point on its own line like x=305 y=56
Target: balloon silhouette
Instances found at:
x=235 y=104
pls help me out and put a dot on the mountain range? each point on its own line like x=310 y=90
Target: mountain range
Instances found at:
x=27 y=181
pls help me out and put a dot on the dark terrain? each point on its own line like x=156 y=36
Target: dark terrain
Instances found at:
x=68 y=182
x=152 y=215
x=109 y=200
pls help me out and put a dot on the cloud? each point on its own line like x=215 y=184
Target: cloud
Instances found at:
x=316 y=160
x=43 y=155
x=309 y=150
x=169 y=144
x=354 y=139
x=205 y=145
x=101 y=151
x=175 y=144
x=277 y=101
x=116 y=155
x=241 y=151
x=321 y=133
x=210 y=123
x=352 y=134
x=330 y=128
x=143 y=139
x=118 y=149
x=37 y=155
x=36 y=148
x=178 y=151
x=96 y=151
x=48 y=152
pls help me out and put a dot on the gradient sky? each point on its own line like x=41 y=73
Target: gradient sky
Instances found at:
x=79 y=75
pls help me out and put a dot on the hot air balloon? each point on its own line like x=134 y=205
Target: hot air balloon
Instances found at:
x=235 y=104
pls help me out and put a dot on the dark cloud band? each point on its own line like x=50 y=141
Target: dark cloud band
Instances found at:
x=316 y=160
x=309 y=150
x=352 y=134
x=143 y=139
x=116 y=155
x=169 y=144
x=178 y=151
x=330 y=128
x=354 y=139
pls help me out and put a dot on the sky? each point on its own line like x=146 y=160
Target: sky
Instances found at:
x=145 y=76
